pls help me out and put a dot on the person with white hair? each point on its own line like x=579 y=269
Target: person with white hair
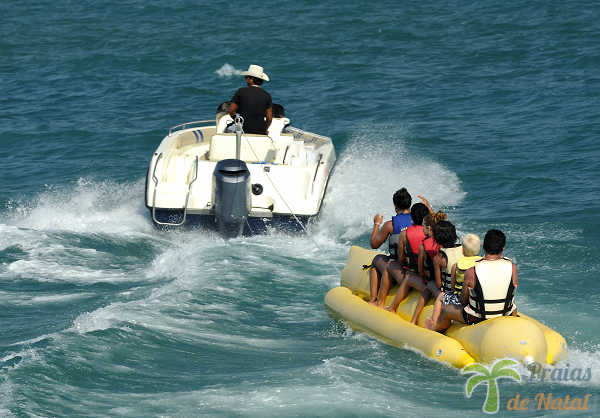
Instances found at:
x=253 y=103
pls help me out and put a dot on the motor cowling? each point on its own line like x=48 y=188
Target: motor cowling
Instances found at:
x=231 y=196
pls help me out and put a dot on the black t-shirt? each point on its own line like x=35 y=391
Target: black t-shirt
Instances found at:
x=253 y=103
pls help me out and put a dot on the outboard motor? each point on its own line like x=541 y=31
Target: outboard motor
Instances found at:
x=231 y=196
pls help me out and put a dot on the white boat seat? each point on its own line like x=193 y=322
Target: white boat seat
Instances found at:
x=277 y=125
x=223 y=122
x=255 y=148
x=191 y=137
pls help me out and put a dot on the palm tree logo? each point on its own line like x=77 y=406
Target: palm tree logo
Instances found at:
x=483 y=375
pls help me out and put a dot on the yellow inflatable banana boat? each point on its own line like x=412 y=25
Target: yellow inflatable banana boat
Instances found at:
x=520 y=337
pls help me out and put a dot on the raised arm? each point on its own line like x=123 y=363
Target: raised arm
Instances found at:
x=453 y=278
x=379 y=235
x=426 y=203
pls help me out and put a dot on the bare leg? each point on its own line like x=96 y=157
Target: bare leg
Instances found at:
x=437 y=308
x=388 y=279
x=378 y=265
x=429 y=324
x=410 y=280
x=448 y=314
x=396 y=270
x=430 y=289
x=373 y=284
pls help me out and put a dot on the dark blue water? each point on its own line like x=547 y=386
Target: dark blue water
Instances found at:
x=490 y=110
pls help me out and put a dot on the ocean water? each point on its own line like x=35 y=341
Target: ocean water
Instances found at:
x=489 y=109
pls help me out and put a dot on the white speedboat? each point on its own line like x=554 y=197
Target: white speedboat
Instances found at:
x=213 y=175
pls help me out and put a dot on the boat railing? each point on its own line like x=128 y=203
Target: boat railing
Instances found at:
x=312 y=189
x=285 y=154
x=186 y=125
x=300 y=132
x=187 y=196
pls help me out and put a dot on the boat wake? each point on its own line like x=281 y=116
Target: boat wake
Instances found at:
x=88 y=206
x=369 y=170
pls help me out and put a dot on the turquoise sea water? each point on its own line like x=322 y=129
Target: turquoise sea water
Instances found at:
x=490 y=110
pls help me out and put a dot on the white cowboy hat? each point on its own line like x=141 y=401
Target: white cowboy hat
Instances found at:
x=256 y=71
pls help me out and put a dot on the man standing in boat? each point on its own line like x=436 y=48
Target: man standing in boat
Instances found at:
x=253 y=103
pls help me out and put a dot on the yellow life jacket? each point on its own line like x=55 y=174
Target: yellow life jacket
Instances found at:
x=462 y=265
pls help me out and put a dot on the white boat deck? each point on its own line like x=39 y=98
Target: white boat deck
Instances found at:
x=293 y=168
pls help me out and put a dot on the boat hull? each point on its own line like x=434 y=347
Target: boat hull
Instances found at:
x=254 y=225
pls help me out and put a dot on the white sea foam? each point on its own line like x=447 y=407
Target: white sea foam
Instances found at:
x=227 y=70
x=49 y=269
x=15 y=360
x=343 y=390
x=579 y=359
x=6 y=398
x=87 y=207
x=150 y=313
x=21 y=299
x=100 y=319
x=9 y=236
x=369 y=170
x=59 y=298
x=45 y=233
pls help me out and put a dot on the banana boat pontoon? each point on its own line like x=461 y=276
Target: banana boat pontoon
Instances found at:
x=519 y=337
x=212 y=174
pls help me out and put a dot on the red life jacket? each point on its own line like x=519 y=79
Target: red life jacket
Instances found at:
x=415 y=237
x=432 y=249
